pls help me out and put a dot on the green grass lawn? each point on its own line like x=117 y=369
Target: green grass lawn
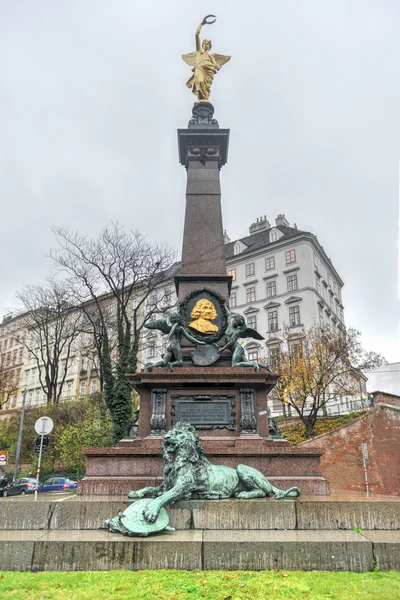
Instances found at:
x=213 y=585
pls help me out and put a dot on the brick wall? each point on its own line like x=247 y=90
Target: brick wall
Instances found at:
x=383 y=397
x=341 y=461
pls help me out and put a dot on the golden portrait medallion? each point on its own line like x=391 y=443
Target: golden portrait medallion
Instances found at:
x=202 y=314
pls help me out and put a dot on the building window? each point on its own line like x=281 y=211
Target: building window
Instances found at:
x=290 y=256
x=232 y=300
x=329 y=280
x=321 y=316
x=253 y=355
x=232 y=273
x=318 y=285
x=69 y=389
x=82 y=388
x=71 y=366
x=294 y=316
x=270 y=263
x=250 y=270
x=93 y=386
x=85 y=362
x=331 y=301
x=273 y=236
x=237 y=248
x=251 y=294
x=334 y=288
x=273 y=320
x=37 y=395
x=292 y=283
x=21 y=353
x=30 y=397
x=316 y=261
x=274 y=359
x=252 y=322
x=271 y=289
x=152 y=300
x=151 y=349
x=296 y=350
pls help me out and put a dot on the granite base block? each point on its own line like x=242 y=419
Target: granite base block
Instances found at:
x=17 y=548
x=289 y=550
x=243 y=514
x=105 y=551
x=386 y=548
x=346 y=515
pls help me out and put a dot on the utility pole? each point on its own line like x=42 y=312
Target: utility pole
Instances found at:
x=21 y=423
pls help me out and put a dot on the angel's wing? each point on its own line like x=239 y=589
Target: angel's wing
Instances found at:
x=189 y=58
x=220 y=59
x=160 y=324
x=248 y=332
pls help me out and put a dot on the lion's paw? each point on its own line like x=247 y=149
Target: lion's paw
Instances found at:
x=150 y=513
x=135 y=494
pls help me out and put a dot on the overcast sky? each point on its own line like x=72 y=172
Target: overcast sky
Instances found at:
x=92 y=92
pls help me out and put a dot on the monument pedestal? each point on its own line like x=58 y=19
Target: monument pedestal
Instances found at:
x=228 y=406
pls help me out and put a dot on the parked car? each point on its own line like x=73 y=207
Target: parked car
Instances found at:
x=21 y=486
x=56 y=484
x=4 y=482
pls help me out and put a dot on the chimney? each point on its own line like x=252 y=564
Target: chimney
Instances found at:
x=261 y=224
x=227 y=239
x=280 y=220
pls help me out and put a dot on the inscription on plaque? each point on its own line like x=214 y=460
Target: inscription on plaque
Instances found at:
x=209 y=412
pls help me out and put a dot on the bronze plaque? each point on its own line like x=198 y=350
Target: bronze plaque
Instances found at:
x=204 y=412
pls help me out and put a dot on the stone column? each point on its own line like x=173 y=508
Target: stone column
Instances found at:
x=203 y=150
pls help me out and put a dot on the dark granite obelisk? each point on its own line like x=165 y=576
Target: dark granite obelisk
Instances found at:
x=203 y=150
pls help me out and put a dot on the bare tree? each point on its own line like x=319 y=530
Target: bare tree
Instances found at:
x=53 y=324
x=9 y=382
x=116 y=281
x=320 y=365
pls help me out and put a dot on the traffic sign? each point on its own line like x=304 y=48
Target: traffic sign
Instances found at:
x=45 y=444
x=44 y=425
x=3 y=457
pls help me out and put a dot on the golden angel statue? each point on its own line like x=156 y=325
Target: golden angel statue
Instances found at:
x=204 y=65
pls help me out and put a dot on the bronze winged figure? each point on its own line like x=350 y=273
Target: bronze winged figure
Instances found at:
x=237 y=329
x=204 y=64
x=175 y=329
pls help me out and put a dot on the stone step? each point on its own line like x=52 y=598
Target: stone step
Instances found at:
x=109 y=486
x=199 y=549
x=265 y=514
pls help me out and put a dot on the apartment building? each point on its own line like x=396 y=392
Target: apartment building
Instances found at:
x=282 y=276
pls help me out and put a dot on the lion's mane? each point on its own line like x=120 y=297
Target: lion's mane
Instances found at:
x=189 y=456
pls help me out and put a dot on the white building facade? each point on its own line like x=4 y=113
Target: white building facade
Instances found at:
x=282 y=276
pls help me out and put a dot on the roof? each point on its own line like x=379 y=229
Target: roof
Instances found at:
x=259 y=240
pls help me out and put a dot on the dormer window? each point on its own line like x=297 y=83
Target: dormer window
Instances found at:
x=274 y=235
x=239 y=247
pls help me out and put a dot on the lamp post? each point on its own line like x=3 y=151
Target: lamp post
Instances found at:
x=21 y=423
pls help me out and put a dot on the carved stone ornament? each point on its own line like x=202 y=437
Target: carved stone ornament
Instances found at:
x=203 y=152
x=205 y=315
x=248 y=421
x=158 y=421
x=203 y=114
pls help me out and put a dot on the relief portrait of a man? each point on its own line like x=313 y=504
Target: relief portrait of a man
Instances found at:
x=202 y=314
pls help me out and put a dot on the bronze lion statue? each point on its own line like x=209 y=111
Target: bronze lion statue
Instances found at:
x=189 y=474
